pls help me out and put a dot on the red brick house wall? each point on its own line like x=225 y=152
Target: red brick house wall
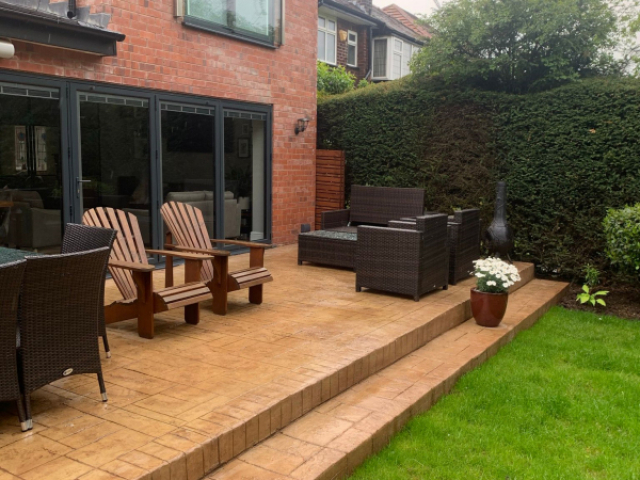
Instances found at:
x=363 y=48
x=160 y=53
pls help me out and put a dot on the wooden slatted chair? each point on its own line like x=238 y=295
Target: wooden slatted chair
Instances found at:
x=133 y=275
x=187 y=227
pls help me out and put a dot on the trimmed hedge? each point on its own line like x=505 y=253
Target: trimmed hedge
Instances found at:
x=567 y=156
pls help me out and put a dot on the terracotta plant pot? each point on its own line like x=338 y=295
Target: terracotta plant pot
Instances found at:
x=488 y=308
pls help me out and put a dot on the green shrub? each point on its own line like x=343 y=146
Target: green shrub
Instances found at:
x=622 y=230
x=334 y=80
x=567 y=156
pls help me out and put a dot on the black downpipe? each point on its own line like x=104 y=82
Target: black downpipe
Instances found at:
x=72 y=12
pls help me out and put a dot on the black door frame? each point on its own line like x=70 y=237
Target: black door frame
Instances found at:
x=70 y=142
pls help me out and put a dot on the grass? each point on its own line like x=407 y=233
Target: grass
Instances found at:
x=562 y=401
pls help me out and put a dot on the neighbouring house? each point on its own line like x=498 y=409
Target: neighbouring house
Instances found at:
x=369 y=42
x=408 y=19
x=128 y=104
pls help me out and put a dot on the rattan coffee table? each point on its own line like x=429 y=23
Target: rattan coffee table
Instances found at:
x=328 y=247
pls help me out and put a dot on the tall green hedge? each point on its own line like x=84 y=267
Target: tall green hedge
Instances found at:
x=567 y=155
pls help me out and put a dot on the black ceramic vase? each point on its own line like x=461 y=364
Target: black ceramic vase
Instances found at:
x=499 y=236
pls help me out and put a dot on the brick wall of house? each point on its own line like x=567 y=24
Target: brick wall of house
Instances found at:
x=363 y=48
x=160 y=53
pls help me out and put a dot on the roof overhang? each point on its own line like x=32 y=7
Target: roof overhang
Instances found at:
x=350 y=15
x=32 y=26
x=390 y=32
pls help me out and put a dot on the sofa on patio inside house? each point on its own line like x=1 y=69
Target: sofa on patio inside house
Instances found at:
x=335 y=244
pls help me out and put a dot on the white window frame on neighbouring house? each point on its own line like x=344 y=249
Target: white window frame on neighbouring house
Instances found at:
x=352 y=43
x=398 y=58
x=324 y=20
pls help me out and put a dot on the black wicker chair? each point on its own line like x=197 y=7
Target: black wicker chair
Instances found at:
x=464 y=243
x=80 y=238
x=10 y=282
x=409 y=258
x=59 y=319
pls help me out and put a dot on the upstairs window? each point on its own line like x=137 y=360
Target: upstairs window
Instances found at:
x=327 y=40
x=352 y=49
x=260 y=20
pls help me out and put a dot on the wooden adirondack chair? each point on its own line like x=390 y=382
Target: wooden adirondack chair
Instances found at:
x=187 y=227
x=133 y=275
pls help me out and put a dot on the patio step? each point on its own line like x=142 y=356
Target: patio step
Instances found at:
x=148 y=431
x=335 y=437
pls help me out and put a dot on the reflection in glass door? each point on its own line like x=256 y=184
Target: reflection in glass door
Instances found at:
x=115 y=155
x=188 y=157
x=244 y=175
x=30 y=168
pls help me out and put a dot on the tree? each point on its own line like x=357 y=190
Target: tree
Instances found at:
x=523 y=45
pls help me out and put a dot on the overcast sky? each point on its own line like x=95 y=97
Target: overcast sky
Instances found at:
x=413 y=6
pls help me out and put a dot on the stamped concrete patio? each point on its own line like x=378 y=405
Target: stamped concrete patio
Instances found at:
x=199 y=396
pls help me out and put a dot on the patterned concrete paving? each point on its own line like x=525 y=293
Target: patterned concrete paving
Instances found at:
x=337 y=436
x=197 y=396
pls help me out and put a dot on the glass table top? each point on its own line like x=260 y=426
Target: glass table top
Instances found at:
x=8 y=255
x=334 y=234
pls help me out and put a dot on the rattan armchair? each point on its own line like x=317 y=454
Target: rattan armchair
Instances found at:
x=10 y=282
x=59 y=320
x=80 y=238
x=464 y=243
x=408 y=258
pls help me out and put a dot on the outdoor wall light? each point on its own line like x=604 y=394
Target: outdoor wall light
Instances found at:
x=301 y=126
x=7 y=50
x=343 y=35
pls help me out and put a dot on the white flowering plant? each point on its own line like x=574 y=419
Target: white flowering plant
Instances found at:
x=494 y=275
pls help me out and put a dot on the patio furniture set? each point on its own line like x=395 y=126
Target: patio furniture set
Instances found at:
x=52 y=306
x=393 y=244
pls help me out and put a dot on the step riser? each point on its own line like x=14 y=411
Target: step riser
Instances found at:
x=380 y=439
x=286 y=411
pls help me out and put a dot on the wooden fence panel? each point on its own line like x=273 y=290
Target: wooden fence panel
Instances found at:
x=330 y=167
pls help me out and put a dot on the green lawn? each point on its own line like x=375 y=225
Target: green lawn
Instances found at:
x=562 y=401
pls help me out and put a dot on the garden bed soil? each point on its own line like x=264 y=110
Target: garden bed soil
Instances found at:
x=623 y=301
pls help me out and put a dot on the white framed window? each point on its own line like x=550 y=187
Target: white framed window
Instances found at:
x=380 y=58
x=392 y=58
x=352 y=49
x=327 y=44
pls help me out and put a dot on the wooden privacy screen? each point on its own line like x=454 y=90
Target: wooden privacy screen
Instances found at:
x=330 y=165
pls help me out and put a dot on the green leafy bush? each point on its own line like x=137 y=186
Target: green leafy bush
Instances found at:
x=567 y=156
x=622 y=230
x=334 y=80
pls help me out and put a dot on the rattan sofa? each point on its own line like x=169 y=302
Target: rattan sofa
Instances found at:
x=336 y=244
x=375 y=206
x=408 y=258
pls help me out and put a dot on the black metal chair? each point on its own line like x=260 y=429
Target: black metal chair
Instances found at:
x=11 y=275
x=80 y=238
x=58 y=319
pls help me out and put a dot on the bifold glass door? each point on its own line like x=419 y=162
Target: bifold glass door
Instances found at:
x=188 y=157
x=244 y=175
x=114 y=134
x=70 y=146
x=31 y=173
